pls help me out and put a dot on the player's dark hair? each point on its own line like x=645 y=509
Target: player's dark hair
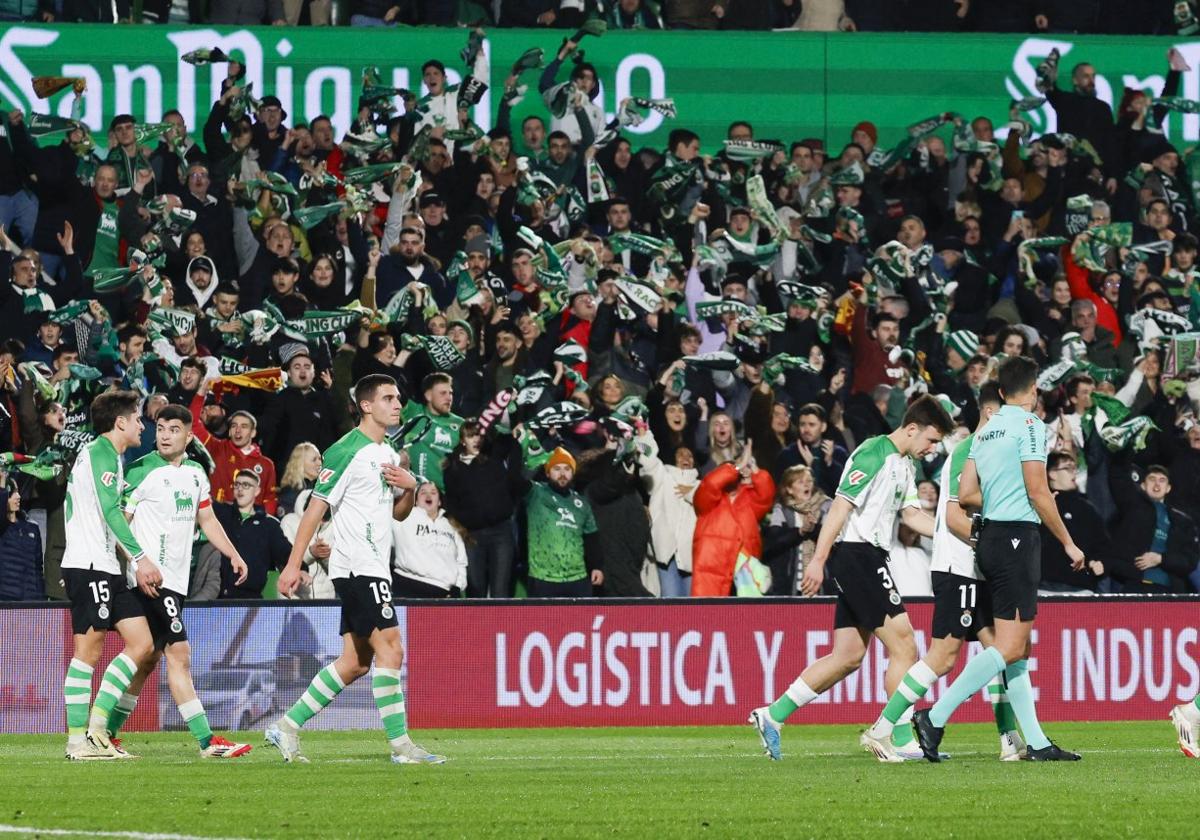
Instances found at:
x=813 y=409
x=680 y=137
x=1017 y=374
x=131 y=331
x=195 y=363
x=110 y=405
x=175 y=412
x=1072 y=384
x=1057 y=459
x=989 y=394
x=435 y=378
x=365 y=389
x=927 y=411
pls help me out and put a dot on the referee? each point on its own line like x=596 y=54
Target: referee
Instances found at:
x=1006 y=476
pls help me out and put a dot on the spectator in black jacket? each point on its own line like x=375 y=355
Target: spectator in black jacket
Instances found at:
x=256 y=535
x=612 y=486
x=20 y=552
x=1082 y=113
x=1155 y=545
x=814 y=450
x=1085 y=526
x=301 y=412
x=481 y=483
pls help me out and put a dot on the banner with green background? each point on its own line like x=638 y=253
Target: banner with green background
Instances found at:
x=790 y=85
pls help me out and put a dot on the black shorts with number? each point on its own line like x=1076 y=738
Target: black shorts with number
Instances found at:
x=1009 y=555
x=165 y=617
x=866 y=593
x=366 y=605
x=98 y=600
x=962 y=606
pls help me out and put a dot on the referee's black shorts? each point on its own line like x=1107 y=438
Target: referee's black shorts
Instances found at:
x=1010 y=557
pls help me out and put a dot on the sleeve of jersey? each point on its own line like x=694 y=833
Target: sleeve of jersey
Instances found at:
x=130 y=497
x=958 y=460
x=330 y=484
x=205 y=491
x=1033 y=440
x=860 y=470
x=589 y=518
x=911 y=499
x=104 y=475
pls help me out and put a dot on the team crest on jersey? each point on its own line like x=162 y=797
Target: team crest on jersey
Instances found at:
x=579 y=503
x=387 y=611
x=966 y=618
x=177 y=626
x=102 y=612
x=258 y=469
x=894 y=597
x=183 y=502
x=324 y=476
x=108 y=479
x=856 y=476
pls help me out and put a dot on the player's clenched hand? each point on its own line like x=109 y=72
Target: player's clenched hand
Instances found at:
x=1076 y=556
x=814 y=576
x=398 y=477
x=239 y=568
x=149 y=578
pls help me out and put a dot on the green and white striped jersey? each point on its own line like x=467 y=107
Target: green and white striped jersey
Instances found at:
x=165 y=500
x=351 y=481
x=94 y=522
x=878 y=481
x=950 y=554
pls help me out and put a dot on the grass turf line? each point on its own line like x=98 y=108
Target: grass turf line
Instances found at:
x=660 y=782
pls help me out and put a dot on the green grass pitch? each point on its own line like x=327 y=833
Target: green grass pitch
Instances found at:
x=663 y=782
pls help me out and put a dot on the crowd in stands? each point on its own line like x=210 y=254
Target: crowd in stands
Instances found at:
x=1152 y=17
x=628 y=371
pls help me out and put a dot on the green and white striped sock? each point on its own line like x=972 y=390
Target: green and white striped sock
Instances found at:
x=197 y=721
x=914 y=685
x=121 y=713
x=320 y=693
x=113 y=684
x=1006 y=721
x=77 y=696
x=389 y=699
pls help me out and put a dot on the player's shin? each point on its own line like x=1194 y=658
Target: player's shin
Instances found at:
x=1006 y=721
x=976 y=675
x=1020 y=695
x=77 y=696
x=913 y=687
x=389 y=699
x=121 y=713
x=325 y=686
x=192 y=712
x=798 y=694
x=113 y=684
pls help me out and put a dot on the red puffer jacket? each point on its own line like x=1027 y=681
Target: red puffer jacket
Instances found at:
x=727 y=522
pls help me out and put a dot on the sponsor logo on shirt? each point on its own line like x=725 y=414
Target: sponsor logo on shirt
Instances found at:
x=856 y=476
x=324 y=476
x=108 y=479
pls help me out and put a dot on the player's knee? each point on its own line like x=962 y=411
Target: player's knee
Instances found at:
x=851 y=660
x=140 y=651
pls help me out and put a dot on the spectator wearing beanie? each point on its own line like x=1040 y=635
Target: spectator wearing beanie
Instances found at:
x=565 y=558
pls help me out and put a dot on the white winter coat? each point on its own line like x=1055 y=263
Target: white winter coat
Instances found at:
x=322 y=586
x=429 y=550
x=672 y=517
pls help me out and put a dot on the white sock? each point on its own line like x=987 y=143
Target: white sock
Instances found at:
x=1190 y=713
x=800 y=693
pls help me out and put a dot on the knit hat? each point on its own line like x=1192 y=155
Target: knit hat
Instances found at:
x=560 y=456
x=867 y=128
x=290 y=351
x=963 y=342
x=466 y=326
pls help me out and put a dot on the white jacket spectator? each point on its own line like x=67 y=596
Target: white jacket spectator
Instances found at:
x=430 y=558
x=314 y=563
x=672 y=517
